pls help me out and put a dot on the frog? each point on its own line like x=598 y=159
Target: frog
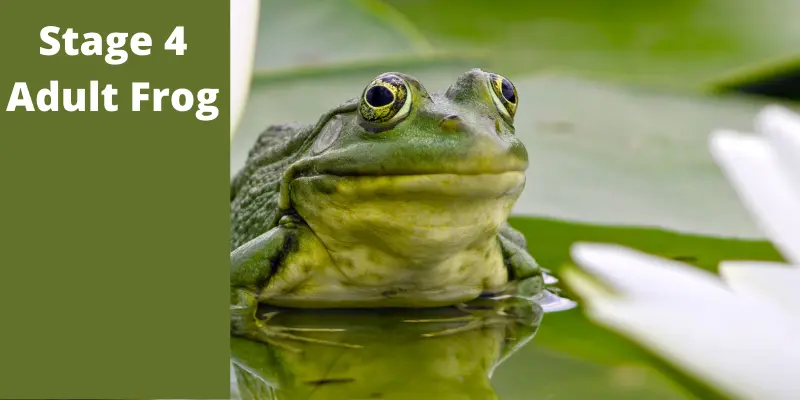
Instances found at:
x=396 y=198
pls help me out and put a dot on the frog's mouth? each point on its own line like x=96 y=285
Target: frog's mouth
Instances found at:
x=486 y=185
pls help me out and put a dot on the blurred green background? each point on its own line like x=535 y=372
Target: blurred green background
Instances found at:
x=617 y=99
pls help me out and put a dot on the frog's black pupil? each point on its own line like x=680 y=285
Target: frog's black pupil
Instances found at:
x=378 y=96
x=508 y=91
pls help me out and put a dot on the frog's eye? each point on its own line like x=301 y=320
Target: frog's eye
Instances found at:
x=386 y=100
x=504 y=94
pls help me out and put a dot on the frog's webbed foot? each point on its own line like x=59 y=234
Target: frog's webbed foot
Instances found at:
x=277 y=335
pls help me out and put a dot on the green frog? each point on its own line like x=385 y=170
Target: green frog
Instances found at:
x=396 y=198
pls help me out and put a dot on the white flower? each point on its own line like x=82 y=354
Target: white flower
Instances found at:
x=739 y=331
x=244 y=28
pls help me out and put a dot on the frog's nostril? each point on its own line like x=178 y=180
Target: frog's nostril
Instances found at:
x=450 y=123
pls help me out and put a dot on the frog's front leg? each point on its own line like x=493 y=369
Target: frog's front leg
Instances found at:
x=524 y=274
x=256 y=265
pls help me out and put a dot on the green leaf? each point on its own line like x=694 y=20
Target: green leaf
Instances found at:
x=303 y=33
x=549 y=241
x=677 y=43
x=607 y=154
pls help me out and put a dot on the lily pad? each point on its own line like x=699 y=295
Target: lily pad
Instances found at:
x=304 y=33
x=676 y=43
x=606 y=154
x=549 y=240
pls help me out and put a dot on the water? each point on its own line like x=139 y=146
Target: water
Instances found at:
x=395 y=361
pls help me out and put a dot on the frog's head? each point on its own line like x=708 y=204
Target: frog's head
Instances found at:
x=398 y=128
x=407 y=155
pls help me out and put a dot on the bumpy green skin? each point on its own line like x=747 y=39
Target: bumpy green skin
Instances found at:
x=341 y=214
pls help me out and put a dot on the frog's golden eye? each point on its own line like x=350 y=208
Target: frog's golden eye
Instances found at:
x=386 y=100
x=504 y=94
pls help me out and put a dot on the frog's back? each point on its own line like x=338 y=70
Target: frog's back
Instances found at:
x=254 y=190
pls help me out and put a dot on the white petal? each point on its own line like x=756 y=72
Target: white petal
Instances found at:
x=751 y=165
x=549 y=279
x=739 y=351
x=642 y=276
x=776 y=282
x=782 y=127
x=736 y=343
x=738 y=337
x=244 y=28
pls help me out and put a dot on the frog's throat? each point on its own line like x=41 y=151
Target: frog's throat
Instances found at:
x=439 y=223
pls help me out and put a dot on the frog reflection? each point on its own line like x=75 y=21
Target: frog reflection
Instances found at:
x=385 y=354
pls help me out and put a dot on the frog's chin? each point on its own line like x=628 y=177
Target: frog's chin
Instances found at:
x=420 y=187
